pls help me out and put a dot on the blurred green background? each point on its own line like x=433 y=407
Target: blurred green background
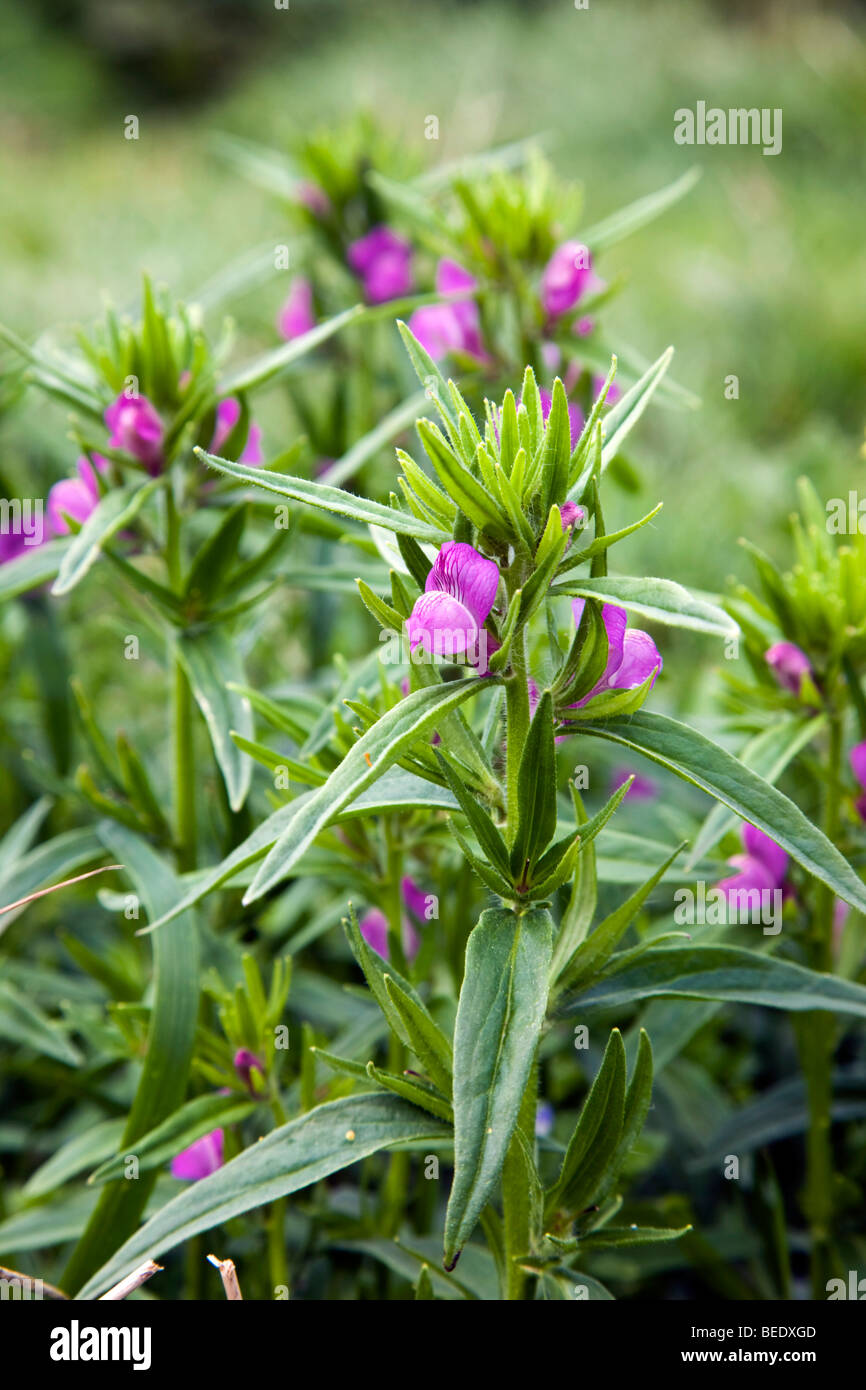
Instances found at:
x=759 y=273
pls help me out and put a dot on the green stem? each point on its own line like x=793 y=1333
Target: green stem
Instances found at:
x=183 y=712
x=516 y=1200
x=278 y=1265
x=394 y=913
x=517 y=726
x=184 y=771
x=816 y=1035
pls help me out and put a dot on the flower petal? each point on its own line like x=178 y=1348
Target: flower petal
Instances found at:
x=200 y=1159
x=761 y=847
x=640 y=659
x=460 y=570
x=442 y=625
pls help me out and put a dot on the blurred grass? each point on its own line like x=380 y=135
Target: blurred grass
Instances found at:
x=760 y=273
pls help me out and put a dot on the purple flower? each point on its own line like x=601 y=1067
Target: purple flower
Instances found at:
x=227 y=416
x=641 y=789
x=137 y=429
x=26 y=531
x=858 y=767
x=245 y=1062
x=374 y=924
x=382 y=260
x=544 y=1116
x=13 y=544
x=572 y=515
x=448 y=619
x=296 y=316
x=575 y=415
x=762 y=868
x=75 y=497
x=456 y=327
x=566 y=276
x=632 y=656
x=200 y=1159
x=789 y=665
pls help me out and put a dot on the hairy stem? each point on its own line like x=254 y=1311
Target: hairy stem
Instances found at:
x=816 y=1033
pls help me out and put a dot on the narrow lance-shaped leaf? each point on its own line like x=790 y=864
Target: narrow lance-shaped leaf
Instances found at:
x=499 y=1018
x=380 y=747
x=298 y=1154
x=213 y=668
x=728 y=973
x=170 y=1041
x=115 y=511
x=768 y=754
x=698 y=760
x=660 y=600
x=596 y=1134
x=329 y=499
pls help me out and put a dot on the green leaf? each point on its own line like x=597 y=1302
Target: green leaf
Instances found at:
x=271 y=364
x=430 y=377
x=622 y=418
x=593 y=953
x=25 y=1025
x=768 y=754
x=700 y=761
x=628 y=219
x=170 y=1041
x=660 y=600
x=480 y=823
x=188 y=1123
x=376 y=972
x=34 y=567
x=460 y=484
x=329 y=499
x=499 y=1017
x=727 y=973
x=612 y=1237
x=596 y=1134
x=396 y=791
x=413 y=1089
x=116 y=510
x=212 y=664
x=302 y=1152
x=556 y=451
x=54 y=859
x=216 y=556
x=381 y=746
x=78 y=1155
x=536 y=784
x=388 y=428
x=422 y=1034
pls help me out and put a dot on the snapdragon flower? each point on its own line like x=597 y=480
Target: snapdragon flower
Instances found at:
x=227 y=416
x=789 y=664
x=632 y=656
x=382 y=260
x=566 y=277
x=199 y=1159
x=75 y=497
x=137 y=429
x=858 y=767
x=297 y=316
x=761 y=868
x=374 y=924
x=455 y=327
x=448 y=618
